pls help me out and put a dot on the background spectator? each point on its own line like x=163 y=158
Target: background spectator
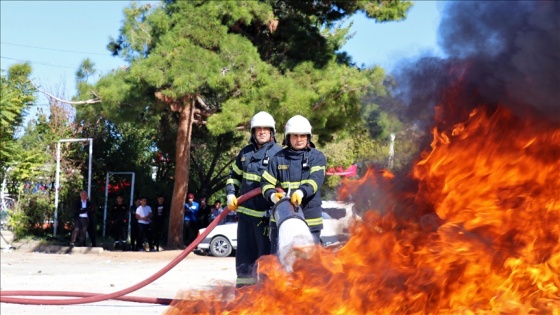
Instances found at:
x=189 y=223
x=160 y=213
x=119 y=221
x=144 y=216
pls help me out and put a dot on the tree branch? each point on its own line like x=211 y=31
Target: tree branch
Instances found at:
x=199 y=122
x=322 y=101
x=207 y=111
x=86 y=102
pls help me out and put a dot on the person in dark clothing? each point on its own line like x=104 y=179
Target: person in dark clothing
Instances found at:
x=158 y=222
x=203 y=214
x=119 y=222
x=82 y=209
x=300 y=169
x=252 y=230
x=134 y=226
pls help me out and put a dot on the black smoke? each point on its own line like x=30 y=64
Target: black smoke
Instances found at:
x=497 y=53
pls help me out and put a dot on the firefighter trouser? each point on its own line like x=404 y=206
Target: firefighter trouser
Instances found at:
x=252 y=242
x=274 y=238
x=119 y=232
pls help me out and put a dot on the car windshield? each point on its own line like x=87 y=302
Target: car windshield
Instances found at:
x=230 y=218
x=334 y=213
x=326 y=215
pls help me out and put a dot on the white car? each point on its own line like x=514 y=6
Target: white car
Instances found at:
x=337 y=217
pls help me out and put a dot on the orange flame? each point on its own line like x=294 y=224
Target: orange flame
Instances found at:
x=475 y=231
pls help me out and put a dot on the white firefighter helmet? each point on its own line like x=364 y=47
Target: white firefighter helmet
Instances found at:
x=263 y=119
x=298 y=125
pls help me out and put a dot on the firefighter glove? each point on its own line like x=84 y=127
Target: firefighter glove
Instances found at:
x=277 y=196
x=296 y=197
x=232 y=202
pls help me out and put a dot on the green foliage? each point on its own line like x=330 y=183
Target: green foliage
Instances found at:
x=87 y=68
x=16 y=96
x=128 y=138
x=293 y=31
x=366 y=151
x=38 y=210
x=124 y=147
x=340 y=152
x=30 y=166
x=29 y=216
x=344 y=152
x=18 y=223
x=23 y=159
x=224 y=51
x=387 y=10
x=37 y=164
x=211 y=158
x=208 y=48
x=406 y=146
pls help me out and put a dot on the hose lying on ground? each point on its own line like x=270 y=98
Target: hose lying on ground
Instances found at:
x=85 y=297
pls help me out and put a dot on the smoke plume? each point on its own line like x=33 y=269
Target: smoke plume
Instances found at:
x=497 y=53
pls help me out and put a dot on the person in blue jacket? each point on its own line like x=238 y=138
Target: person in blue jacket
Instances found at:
x=189 y=223
x=299 y=169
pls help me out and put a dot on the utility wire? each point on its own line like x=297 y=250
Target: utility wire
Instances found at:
x=62 y=50
x=38 y=63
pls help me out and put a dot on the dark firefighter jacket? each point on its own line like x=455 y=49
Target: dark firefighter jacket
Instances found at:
x=246 y=174
x=304 y=170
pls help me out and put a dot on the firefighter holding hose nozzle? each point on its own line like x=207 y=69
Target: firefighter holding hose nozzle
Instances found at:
x=252 y=231
x=298 y=169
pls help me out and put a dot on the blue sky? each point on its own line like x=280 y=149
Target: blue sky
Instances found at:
x=55 y=36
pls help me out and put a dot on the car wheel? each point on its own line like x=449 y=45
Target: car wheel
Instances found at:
x=220 y=247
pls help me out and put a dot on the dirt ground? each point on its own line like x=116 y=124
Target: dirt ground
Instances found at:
x=31 y=267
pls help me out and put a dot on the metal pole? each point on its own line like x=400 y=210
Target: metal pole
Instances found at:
x=131 y=202
x=56 y=188
x=55 y=223
x=89 y=167
x=106 y=197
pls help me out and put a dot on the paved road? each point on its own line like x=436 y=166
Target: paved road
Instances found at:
x=107 y=272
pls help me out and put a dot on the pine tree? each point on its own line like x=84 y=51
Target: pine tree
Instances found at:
x=216 y=63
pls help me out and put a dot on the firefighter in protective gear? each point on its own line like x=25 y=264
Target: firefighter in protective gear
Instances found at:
x=300 y=170
x=252 y=231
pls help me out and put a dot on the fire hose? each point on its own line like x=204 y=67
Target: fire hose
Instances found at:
x=88 y=297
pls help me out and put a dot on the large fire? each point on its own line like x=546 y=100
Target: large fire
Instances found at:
x=476 y=230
